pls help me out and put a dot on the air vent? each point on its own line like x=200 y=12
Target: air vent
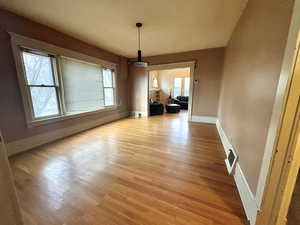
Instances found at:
x=231 y=160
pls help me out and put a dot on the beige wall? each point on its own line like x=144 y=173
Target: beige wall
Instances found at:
x=138 y=83
x=208 y=72
x=166 y=81
x=251 y=70
x=12 y=118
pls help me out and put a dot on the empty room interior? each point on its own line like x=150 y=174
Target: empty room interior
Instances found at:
x=149 y=112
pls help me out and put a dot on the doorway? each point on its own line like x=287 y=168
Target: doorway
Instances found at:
x=170 y=88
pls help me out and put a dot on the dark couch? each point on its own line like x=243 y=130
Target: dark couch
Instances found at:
x=183 y=101
x=156 y=108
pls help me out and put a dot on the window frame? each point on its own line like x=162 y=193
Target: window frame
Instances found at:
x=177 y=87
x=182 y=86
x=56 y=83
x=112 y=87
x=19 y=42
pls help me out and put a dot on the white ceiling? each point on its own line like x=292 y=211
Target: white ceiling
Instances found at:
x=169 y=25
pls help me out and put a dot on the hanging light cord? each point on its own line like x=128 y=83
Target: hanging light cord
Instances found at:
x=139 y=34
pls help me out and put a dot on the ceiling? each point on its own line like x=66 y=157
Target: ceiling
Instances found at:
x=170 y=26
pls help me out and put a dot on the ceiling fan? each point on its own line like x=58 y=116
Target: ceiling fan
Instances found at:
x=139 y=62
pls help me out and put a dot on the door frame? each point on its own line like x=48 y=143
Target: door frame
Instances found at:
x=285 y=161
x=170 y=66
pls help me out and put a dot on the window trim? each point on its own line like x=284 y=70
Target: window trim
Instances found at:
x=18 y=42
x=55 y=85
x=112 y=87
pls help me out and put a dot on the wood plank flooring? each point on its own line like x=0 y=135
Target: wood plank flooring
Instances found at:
x=156 y=171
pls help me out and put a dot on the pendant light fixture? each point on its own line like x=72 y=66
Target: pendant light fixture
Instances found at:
x=139 y=62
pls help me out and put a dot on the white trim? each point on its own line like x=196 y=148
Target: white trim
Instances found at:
x=22 y=145
x=227 y=146
x=204 y=119
x=136 y=114
x=147 y=95
x=283 y=84
x=18 y=41
x=225 y=141
x=41 y=122
x=168 y=66
x=246 y=195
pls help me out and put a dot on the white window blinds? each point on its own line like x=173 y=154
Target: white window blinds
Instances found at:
x=82 y=86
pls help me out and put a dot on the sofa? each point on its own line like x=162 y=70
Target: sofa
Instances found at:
x=156 y=108
x=183 y=101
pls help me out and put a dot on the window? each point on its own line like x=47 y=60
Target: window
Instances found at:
x=186 y=86
x=62 y=83
x=83 y=86
x=109 y=87
x=177 y=87
x=41 y=83
x=154 y=83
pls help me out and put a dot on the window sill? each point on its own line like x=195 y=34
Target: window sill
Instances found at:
x=41 y=122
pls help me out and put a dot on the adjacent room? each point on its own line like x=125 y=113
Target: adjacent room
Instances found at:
x=162 y=112
x=169 y=91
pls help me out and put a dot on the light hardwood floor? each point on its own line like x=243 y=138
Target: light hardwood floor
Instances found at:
x=157 y=171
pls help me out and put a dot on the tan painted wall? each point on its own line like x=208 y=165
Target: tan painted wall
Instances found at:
x=166 y=81
x=12 y=119
x=138 y=89
x=251 y=70
x=208 y=72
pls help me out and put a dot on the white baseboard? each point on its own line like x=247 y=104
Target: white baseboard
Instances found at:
x=137 y=114
x=246 y=194
x=22 y=145
x=247 y=197
x=225 y=141
x=204 y=119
